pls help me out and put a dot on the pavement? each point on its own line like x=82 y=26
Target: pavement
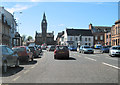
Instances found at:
x=79 y=68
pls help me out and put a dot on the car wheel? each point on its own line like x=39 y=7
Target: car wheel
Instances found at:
x=4 y=67
x=17 y=63
x=83 y=52
x=55 y=57
x=79 y=51
x=101 y=51
x=31 y=59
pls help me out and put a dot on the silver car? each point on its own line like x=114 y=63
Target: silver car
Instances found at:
x=86 y=49
x=9 y=58
x=114 y=51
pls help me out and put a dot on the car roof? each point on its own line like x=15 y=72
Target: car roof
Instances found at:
x=19 y=46
x=115 y=46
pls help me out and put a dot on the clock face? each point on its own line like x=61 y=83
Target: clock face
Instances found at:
x=43 y=21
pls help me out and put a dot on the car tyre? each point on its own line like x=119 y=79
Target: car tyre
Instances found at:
x=17 y=63
x=55 y=57
x=4 y=67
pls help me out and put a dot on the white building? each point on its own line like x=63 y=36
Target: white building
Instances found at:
x=9 y=19
x=77 y=37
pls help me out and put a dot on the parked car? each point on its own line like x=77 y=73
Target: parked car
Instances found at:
x=24 y=53
x=48 y=47
x=72 y=48
x=51 y=48
x=97 y=46
x=86 y=49
x=114 y=51
x=9 y=58
x=34 y=51
x=104 y=49
x=38 y=48
x=61 y=52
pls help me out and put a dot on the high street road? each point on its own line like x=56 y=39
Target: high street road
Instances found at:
x=80 y=68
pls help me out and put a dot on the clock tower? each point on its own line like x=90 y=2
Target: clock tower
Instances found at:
x=44 y=28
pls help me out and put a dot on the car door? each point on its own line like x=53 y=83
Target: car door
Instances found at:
x=12 y=56
x=6 y=56
x=81 y=48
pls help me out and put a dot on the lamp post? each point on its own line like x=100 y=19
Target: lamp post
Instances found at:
x=15 y=19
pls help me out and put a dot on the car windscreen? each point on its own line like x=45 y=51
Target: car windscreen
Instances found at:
x=116 y=48
x=52 y=47
x=105 y=47
x=18 y=49
x=86 y=47
x=61 y=48
x=31 y=48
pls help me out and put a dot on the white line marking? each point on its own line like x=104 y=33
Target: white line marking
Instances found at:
x=90 y=59
x=16 y=78
x=26 y=71
x=110 y=65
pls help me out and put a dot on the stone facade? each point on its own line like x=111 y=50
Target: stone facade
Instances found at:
x=44 y=37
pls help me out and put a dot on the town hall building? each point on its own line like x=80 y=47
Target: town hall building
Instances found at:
x=44 y=37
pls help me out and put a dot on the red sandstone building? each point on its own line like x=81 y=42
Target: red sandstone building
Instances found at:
x=99 y=33
x=115 y=33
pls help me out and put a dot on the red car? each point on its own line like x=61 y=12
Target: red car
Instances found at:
x=24 y=53
x=61 y=52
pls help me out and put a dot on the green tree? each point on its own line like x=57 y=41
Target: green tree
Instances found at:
x=29 y=38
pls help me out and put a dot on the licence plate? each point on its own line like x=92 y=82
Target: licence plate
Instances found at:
x=61 y=52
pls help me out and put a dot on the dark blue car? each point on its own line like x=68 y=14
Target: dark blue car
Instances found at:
x=104 y=49
x=72 y=48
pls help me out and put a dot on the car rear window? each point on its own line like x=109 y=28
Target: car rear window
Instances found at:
x=116 y=48
x=86 y=47
x=19 y=49
x=61 y=48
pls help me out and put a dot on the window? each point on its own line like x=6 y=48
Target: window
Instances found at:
x=116 y=31
x=85 y=39
x=9 y=51
x=85 y=43
x=101 y=37
x=76 y=39
x=80 y=38
x=89 y=44
x=89 y=39
x=70 y=38
x=96 y=37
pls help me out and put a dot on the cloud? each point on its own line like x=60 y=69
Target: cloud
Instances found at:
x=18 y=7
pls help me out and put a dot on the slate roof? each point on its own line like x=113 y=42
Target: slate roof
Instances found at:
x=101 y=29
x=77 y=32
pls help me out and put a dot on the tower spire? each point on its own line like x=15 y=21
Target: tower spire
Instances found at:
x=44 y=17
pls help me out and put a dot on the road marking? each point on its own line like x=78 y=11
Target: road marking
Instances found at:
x=26 y=71
x=110 y=65
x=16 y=78
x=90 y=59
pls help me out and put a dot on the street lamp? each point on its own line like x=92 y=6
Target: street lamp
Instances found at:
x=16 y=19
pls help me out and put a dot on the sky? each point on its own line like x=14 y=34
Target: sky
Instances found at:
x=61 y=15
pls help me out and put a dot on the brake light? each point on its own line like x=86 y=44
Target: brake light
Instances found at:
x=55 y=51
